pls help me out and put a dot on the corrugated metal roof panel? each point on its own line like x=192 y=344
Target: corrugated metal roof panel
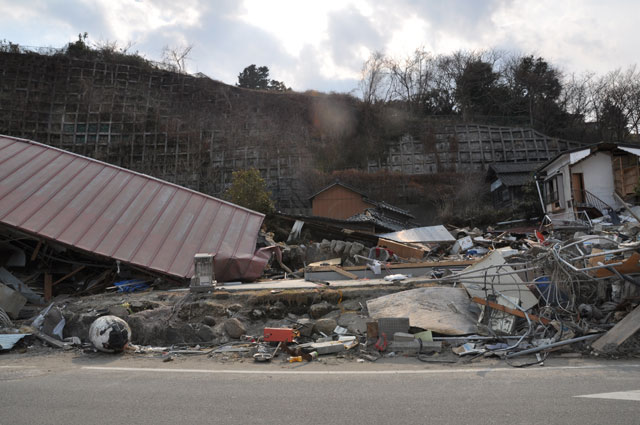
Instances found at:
x=7 y=341
x=120 y=214
x=421 y=234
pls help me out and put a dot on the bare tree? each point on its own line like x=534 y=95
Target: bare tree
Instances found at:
x=176 y=56
x=575 y=98
x=374 y=83
x=413 y=77
x=615 y=94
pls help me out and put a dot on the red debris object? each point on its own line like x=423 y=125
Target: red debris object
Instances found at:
x=280 y=334
x=382 y=342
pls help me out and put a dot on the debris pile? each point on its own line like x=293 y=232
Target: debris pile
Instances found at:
x=424 y=293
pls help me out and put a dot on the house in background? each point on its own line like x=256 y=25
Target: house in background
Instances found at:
x=585 y=180
x=343 y=202
x=507 y=180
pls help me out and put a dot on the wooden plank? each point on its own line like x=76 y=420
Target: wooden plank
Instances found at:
x=619 y=333
x=438 y=264
x=330 y=262
x=48 y=287
x=343 y=272
x=401 y=250
x=68 y=275
x=508 y=310
x=619 y=199
x=628 y=266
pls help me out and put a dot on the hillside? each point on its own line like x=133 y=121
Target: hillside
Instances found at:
x=195 y=131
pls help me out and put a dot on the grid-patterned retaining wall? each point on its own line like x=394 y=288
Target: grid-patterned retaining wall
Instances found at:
x=196 y=131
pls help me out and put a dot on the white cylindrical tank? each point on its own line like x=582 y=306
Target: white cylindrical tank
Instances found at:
x=109 y=334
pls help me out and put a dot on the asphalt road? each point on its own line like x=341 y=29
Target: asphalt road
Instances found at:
x=49 y=391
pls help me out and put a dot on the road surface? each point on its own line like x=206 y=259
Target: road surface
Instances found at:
x=117 y=390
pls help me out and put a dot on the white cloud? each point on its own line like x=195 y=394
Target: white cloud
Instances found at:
x=323 y=44
x=130 y=20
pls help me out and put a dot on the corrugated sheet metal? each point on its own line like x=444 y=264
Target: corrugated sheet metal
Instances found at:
x=7 y=341
x=120 y=214
x=421 y=234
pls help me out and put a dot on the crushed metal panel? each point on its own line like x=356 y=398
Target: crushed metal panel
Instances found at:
x=7 y=341
x=421 y=234
x=120 y=214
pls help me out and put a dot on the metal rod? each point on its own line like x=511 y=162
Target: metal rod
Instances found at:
x=604 y=253
x=588 y=238
x=555 y=344
x=474 y=338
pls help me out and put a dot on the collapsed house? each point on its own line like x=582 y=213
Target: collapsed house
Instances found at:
x=582 y=184
x=479 y=293
x=65 y=202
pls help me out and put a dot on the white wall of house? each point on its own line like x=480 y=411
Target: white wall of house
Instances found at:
x=560 y=166
x=598 y=177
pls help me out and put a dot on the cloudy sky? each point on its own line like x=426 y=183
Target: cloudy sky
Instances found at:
x=322 y=44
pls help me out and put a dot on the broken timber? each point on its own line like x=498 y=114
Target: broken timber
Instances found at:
x=619 y=333
x=511 y=311
x=329 y=273
x=343 y=272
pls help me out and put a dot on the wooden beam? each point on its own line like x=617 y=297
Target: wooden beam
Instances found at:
x=619 y=333
x=508 y=310
x=626 y=207
x=48 y=287
x=37 y=250
x=345 y=273
x=446 y=263
x=68 y=275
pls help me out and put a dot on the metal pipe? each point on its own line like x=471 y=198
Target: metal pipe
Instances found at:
x=477 y=271
x=604 y=253
x=588 y=238
x=553 y=345
x=474 y=338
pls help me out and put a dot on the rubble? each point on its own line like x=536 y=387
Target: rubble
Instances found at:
x=473 y=294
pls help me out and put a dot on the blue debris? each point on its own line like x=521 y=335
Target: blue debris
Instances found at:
x=132 y=285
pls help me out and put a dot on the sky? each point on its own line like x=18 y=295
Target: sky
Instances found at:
x=321 y=45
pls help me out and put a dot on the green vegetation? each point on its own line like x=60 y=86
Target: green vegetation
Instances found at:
x=248 y=189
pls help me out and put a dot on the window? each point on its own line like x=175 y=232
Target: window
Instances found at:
x=551 y=189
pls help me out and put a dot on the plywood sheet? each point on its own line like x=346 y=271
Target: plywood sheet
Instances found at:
x=441 y=309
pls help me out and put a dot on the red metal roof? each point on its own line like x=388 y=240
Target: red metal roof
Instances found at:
x=117 y=213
